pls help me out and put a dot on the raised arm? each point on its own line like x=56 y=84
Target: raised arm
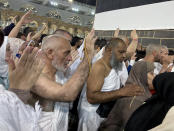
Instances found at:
x=24 y=20
x=69 y=91
x=133 y=45
x=39 y=33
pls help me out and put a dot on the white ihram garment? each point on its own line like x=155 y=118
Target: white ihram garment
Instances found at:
x=57 y=120
x=158 y=67
x=89 y=119
x=15 y=115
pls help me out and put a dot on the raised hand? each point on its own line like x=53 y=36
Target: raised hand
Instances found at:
x=134 y=35
x=74 y=55
x=89 y=43
x=25 y=73
x=116 y=33
x=14 y=19
x=29 y=36
x=25 y=19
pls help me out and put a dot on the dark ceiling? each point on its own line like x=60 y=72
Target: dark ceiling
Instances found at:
x=89 y=2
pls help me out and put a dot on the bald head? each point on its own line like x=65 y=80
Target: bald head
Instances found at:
x=151 y=48
x=64 y=33
x=54 y=42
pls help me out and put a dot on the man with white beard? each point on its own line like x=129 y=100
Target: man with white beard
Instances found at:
x=48 y=89
x=103 y=86
x=166 y=62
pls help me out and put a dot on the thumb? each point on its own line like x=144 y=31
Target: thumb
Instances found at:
x=11 y=65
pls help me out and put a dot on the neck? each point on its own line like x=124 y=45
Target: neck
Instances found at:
x=149 y=58
x=49 y=70
x=106 y=58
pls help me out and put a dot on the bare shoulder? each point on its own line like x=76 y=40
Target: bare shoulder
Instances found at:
x=98 y=67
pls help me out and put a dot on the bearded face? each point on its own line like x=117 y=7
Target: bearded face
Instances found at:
x=115 y=63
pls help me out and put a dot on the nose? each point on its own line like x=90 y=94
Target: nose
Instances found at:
x=124 y=55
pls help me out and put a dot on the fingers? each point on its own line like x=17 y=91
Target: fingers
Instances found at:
x=91 y=35
x=22 y=48
x=28 y=13
x=29 y=36
x=31 y=57
x=11 y=65
x=24 y=57
x=94 y=39
x=116 y=33
x=38 y=63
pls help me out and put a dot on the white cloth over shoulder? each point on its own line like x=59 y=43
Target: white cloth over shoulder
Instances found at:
x=89 y=119
x=99 y=55
x=15 y=115
x=158 y=67
x=3 y=64
x=76 y=63
x=57 y=120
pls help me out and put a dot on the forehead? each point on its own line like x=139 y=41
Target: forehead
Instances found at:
x=121 y=46
x=63 y=44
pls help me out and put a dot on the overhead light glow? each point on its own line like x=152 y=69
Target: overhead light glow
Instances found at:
x=75 y=9
x=70 y=0
x=92 y=13
x=53 y=3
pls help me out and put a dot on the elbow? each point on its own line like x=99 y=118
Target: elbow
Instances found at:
x=91 y=100
x=70 y=97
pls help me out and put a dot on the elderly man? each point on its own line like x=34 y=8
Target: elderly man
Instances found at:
x=165 y=64
x=141 y=74
x=103 y=86
x=49 y=89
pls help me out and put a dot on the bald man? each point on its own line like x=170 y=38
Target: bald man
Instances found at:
x=103 y=86
x=49 y=90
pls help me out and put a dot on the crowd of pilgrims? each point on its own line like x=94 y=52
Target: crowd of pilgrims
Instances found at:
x=58 y=82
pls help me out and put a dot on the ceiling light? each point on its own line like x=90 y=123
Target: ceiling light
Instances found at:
x=92 y=13
x=75 y=9
x=53 y=3
x=70 y=0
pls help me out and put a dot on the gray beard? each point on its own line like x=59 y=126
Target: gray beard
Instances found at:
x=115 y=64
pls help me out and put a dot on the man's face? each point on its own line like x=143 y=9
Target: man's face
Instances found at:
x=120 y=52
x=157 y=56
x=163 y=54
x=62 y=56
x=118 y=56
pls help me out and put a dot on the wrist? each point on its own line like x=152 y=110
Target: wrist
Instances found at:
x=20 y=88
x=135 y=39
x=120 y=92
